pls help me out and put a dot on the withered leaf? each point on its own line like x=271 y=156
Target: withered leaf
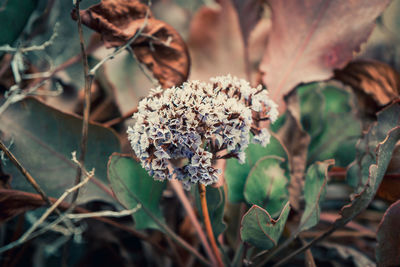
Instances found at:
x=159 y=46
x=310 y=38
x=15 y=202
x=376 y=79
x=213 y=42
x=249 y=13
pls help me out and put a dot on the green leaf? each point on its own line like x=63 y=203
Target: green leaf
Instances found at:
x=328 y=115
x=42 y=140
x=216 y=204
x=14 y=15
x=260 y=230
x=314 y=193
x=374 y=154
x=266 y=185
x=236 y=173
x=127 y=177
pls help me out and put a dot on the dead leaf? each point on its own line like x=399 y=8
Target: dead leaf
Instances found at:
x=14 y=202
x=296 y=139
x=159 y=46
x=310 y=38
x=249 y=13
x=376 y=79
x=213 y=42
x=388 y=235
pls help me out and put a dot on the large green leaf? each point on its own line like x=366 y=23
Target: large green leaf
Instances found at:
x=260 y=230
x=216 y=205
x=14 y=15
x=328 y=115
x=373 y=157
x=236 y=173
x=314 y=193
x=266 y=185
x=43 y=139
x=128 y=178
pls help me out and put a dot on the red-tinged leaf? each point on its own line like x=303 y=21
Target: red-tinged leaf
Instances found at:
x=389 y=189
x=159 y=46
x=310 y=38
x=15 y=202
x=388 y=236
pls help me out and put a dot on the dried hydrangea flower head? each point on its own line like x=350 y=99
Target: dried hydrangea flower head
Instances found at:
x=191 y=123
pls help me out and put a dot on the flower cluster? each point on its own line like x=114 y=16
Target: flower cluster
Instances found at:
x=181 y=130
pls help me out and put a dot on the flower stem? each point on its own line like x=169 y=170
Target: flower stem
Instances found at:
x=207 y=223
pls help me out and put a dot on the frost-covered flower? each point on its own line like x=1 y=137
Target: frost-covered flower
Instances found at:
x=184 y=127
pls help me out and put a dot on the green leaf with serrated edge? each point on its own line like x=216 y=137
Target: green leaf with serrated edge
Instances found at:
x=14 y=15
x=128 y=177
x=328 y=115
x=266 y=185
x=42 y=140
x=314 y=193
x=216 y=204
x=357 y=176
x=236 y=173
x=379 y=142
x=260 y=230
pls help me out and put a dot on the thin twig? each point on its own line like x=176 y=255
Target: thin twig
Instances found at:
x=207 y=223
x=115 y=121
x=148 y=76
x=166 y=229
x=305 y=247
x=25 y=173
x=28 y=234
x=86 y=109
x=121 y=48
x=177 y=187
x=106 y=213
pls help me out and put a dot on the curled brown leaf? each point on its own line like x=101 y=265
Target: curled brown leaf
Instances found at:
x=159 y=46
x=376 y=79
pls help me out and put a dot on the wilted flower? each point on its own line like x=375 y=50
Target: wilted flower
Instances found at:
x=184 y=127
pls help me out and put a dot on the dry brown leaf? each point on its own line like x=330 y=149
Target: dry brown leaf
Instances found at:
x=214 y=42
x=14 y=202
x=249 y=13
x=376 y=79
x=159 y=47
x=310 y=38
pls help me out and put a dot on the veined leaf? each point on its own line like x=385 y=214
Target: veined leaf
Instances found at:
x=127 y=177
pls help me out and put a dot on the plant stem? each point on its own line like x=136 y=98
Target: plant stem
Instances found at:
x=86 y=110
x=115 y=121
x=207 y=223
x=31 y=180
x=25 y=173
x=177 y=187
x=166 y=229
